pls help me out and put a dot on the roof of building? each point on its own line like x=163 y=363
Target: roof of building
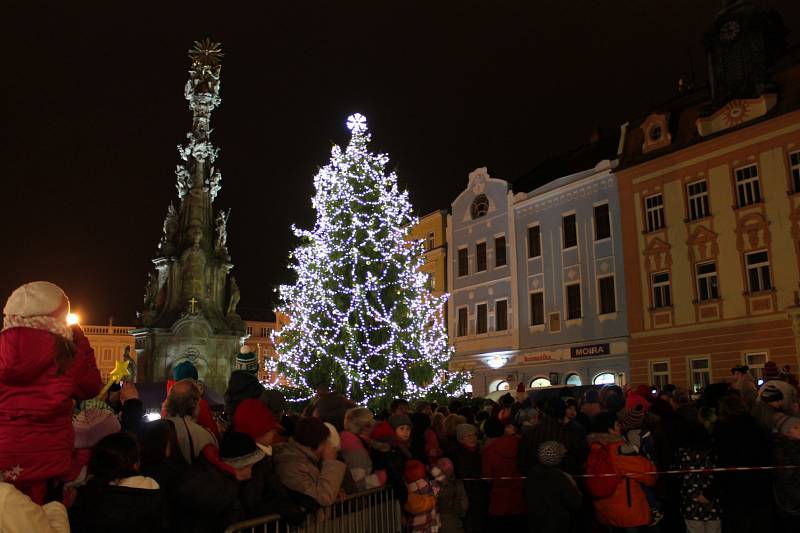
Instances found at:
x=584 y=158
x=684 y=109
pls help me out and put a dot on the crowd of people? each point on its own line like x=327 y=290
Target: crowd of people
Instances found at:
x=610 y=459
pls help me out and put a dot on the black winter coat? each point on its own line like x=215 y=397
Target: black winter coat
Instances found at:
x=552 y=499
x=467 y=464
x=264 y=494
x=119 y=509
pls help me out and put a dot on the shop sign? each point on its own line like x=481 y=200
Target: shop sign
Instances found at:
x=537 y=357
x=590 y=350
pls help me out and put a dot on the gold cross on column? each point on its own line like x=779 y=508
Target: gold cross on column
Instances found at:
x=193 y=301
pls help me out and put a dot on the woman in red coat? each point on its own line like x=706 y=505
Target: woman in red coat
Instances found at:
x=44 y=365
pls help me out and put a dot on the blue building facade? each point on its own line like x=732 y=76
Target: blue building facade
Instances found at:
x=537 y=291
x=572 y=319
x=481 y=273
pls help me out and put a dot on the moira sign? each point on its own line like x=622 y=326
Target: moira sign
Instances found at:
x=590 y=350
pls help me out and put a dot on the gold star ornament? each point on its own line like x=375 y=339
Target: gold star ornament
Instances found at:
x=206 y=54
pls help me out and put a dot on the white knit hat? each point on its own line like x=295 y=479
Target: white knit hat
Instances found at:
x=38 y=298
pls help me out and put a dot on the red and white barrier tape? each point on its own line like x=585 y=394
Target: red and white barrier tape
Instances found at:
x=656 y=473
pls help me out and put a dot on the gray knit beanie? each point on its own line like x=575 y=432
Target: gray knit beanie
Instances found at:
x=462 y=430
x=551 y=453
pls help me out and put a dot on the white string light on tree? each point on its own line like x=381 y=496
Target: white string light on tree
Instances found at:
x=361 y=318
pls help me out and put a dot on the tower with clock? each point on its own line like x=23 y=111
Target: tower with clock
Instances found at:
x=743 y=46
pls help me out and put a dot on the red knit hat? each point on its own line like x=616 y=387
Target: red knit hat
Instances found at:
x=413 y=471
x=253 y=418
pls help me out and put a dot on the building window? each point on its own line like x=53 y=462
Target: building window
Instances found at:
x=662 y=296
x=573 y=379
x=701 y=373
x=501 y=315
x=500 y=386
x=462 y=322
x=534 y=242
x=697 y=193
x=654 y=211
x=659 y=374
x=602 y=222
x=249 y=330
x=537 y=308
x=758 y=278
x=265 y=332
x=748 y=190
x=499 y=251
x=463 y=262
x=570 y=229
x=537 y=383
x=604 y=378
x=756 y=362
x=481 y=319
x=608 y=300
x=794 y=163
x=707 y=281
x=430 y=241
x=480 y=206
x=573 y=301
x=555 y=322
x=480 y=257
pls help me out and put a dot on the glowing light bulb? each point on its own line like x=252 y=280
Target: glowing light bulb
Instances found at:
x=72 y=319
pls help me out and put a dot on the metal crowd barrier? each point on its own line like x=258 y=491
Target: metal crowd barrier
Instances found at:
x=370 y=511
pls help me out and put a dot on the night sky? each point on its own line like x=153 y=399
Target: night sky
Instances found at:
x=93 y=108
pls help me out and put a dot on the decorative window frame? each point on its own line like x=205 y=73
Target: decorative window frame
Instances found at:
x=488 y=318
x=458 y=261
x=646 y=210
x=466 y=320
x=494 y=241
x=594 y=223
x=613 y=314
x=690 y=370
x=537 y=327
x=736 y=183
x=485 y=254
x=665 y=139
x=651 y=373
x=508 y=313
x=567 y=285
x=690 y=197
x=563 y=233
x=528 y=241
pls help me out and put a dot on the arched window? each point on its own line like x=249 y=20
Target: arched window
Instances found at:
x=540 y=382
x=605 y=378
x=480 y=206
x=498 y=385
x=573 y=379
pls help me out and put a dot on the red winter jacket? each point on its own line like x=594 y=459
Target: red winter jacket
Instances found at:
x=36 y=436
x=499 y=459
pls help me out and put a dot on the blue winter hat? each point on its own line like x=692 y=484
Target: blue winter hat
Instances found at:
x=184 y=370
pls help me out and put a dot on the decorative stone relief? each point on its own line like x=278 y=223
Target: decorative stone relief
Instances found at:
x=657 y=255
x=752 y=232
x=702 y=244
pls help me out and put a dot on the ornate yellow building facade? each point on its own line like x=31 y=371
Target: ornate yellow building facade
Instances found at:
x=710 y=198
x=432 y=231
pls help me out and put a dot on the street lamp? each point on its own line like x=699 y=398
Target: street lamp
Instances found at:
x=72 y=319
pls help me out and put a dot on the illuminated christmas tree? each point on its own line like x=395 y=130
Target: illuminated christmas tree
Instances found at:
x=361 y=317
